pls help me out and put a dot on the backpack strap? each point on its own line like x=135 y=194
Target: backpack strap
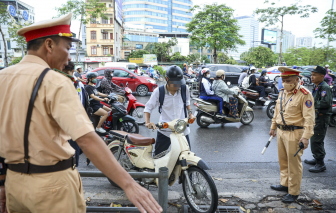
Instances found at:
x=161 y=97
x=184 y=98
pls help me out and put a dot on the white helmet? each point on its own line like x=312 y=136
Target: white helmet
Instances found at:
x=252 y=68
x=327 y=65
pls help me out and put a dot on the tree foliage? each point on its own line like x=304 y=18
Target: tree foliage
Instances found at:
x=15 y=61
x=138 y=53
x=177 y=57
x=259 y=56
x=4 y=20
x=273 y=15
x=214 y=26
x=224 y=59
x=162 y=50
x=328 y=27
x=20 y=40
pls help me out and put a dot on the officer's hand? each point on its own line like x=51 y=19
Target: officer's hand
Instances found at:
x=272 y=133
x=305 y=142
x=142 y=199
x=3 y=199
x=150 y=125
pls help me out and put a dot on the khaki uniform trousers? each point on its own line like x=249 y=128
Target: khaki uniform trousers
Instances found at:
x=290 y=166
x=54 y=192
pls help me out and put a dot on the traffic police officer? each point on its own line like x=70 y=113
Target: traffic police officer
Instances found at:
x=41 y=174
x=323 y=109
x=294 y=120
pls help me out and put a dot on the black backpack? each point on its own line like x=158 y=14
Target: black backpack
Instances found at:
x=183 y=94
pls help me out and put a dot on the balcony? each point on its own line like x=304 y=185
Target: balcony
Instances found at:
x=100 y=25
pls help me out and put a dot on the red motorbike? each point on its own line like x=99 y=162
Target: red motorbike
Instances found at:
x=134 y=108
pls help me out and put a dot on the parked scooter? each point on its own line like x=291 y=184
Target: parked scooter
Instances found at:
x=271 y=103
x=193 y=86
x=206 y=113
x=332 y=122
x=134 y=151
x=253 y=96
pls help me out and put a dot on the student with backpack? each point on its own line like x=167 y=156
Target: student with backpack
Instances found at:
x=250 y=82
x=173 y=100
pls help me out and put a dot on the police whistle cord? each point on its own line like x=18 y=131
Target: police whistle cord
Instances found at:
x=268 y=143
x=301 y=147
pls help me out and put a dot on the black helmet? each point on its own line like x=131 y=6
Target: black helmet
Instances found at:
x=91 y=75
x=175 y=75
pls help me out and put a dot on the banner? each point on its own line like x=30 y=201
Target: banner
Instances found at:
x=136 y=60
x=150 y=59
x=98 y=59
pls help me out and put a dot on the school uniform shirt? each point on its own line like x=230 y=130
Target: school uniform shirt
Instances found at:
x=80 y=91
x=172 y=107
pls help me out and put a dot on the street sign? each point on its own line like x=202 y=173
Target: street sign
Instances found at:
x=25 y=15
x=11 y=10
x=136 y=60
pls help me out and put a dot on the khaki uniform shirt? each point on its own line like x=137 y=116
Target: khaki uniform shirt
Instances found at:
x=58 y=114
x=299 y=110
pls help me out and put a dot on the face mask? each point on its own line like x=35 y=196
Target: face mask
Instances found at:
x=288 y=87
x=94 y=81
x=207 y=76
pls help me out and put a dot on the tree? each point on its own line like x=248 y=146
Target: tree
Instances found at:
x=20 y=40
x=15 y=61
x=85 y=11
x=4 y=20
x=177 y=57
x=259 y=56
x=214 y=26
x=273 y=15
x=162 y=50
x=328 y=27
x=138 y=53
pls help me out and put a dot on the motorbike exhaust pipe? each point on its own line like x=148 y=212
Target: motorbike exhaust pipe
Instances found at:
x=207 y=119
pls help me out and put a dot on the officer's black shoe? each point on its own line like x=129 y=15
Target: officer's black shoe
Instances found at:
x=310 y=162
x=290 y=198
x=279 y=188
x=319 y=167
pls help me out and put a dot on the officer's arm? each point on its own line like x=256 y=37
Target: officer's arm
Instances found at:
x=308 y=114
x=326 y=101
x=276 y=112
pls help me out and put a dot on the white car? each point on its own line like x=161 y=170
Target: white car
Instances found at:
x=273 y=73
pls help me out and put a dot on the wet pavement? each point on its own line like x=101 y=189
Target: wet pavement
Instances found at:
x=242 y=175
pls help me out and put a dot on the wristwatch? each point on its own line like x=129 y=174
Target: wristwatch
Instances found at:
x=190 y=111
x=2 y=182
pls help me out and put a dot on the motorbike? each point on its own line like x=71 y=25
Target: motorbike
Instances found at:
x=206 y=113
x=332 y=122
x=271 y=103
x=134 y=153
x=193 y=86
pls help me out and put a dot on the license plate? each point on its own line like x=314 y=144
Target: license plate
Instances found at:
x=195 y=113
x=267 y=102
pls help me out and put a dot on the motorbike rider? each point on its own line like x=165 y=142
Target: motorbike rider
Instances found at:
x=172 y=107
x=108 y=86
x=98 y=108
x=190 y=70
x=242 y=76
x=78 y=75
x=222 y=90
x=254 y=85
x=207 y=94
x=185 y=70
x=263 y=81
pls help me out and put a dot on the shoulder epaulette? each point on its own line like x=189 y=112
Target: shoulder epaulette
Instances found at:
x=304 y=91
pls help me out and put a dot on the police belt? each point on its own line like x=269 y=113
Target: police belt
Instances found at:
x=29 y=168
x=288 y=127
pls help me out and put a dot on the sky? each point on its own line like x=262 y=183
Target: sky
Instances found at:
x=300 y=27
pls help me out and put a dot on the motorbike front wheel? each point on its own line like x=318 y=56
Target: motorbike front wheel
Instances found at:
x=247 y=117
x=123 y=160
x=205 y=196
x=138 y=115
x=129 y=126
x=270 y=109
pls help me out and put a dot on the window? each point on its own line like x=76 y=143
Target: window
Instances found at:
x=93 y=20
x=105 y=35
x=101 y=72
x=9 y=45
x=116 y=51
x=116 y=36
x=138 y=46
x=111 y=51
x=104 y=21
x=209 y=56
x=93 y=50
x=111 y=35
x=85 y=41
x=214 y=68
x=111 y=20
x=93 y=35
x=105 y=50
x=208 y=51
x=120 y=73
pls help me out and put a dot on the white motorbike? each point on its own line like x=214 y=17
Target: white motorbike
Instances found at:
x=134 y=153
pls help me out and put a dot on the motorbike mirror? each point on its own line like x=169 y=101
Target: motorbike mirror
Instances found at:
x=229 y=83
x=191 y=120
x=126 y=84
x=165 y=125
x=122 y=85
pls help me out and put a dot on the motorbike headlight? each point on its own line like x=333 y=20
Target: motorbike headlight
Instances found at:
x=180 y=126
x=151 y=81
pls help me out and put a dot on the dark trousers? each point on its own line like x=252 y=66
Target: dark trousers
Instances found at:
x=260 y=89
x=317 y=140
x=163 y=143
x=217 y=99
x=77 y=149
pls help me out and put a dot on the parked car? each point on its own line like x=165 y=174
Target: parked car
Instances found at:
x=141 y=84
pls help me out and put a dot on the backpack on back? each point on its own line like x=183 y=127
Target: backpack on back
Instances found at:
x=246 y=82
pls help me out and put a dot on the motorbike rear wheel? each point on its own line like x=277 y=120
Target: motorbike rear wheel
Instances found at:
x=247 y=117
x=205 y=198
x=270 y=109
x=332 y=122
x=122 y=160
x=201 y=123
x=129 y=126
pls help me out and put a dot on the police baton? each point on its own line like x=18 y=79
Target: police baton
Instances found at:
x=268 y=143
x=301 y=147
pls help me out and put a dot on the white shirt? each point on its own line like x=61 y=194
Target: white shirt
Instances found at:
x=172 y=107
x=79 y=88
x=207 y=86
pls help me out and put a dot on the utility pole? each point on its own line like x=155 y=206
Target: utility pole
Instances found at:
x=332 y=8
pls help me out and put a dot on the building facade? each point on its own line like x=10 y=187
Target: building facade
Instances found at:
x=20 y=12
x=103 y=37
x=288 y=41
x=158 y=15
x=249 y=29
x=304 y=42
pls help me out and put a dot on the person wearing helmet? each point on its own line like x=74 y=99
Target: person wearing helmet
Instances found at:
x=173 y=94
x=327 y=77
x=206 y=92
x=242 y=76
x=78 y=75
x=98 y=108
x=222 y=90
x=254 y=86
x=190 y=70
x=108 y=86
x=264 y=81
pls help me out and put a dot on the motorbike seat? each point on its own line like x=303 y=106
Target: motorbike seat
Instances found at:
x=140 y=140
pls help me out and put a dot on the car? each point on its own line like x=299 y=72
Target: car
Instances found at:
x=141 y=84
x=274 y=74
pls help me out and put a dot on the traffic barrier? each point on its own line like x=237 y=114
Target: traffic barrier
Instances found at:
x=163 y=189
